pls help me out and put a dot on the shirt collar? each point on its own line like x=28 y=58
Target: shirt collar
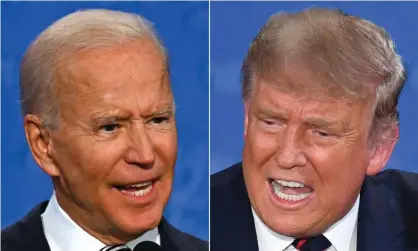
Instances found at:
x=64 y=234
x=339 y=234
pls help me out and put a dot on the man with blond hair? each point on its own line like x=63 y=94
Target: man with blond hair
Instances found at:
x=99 y=120
x=320 y=92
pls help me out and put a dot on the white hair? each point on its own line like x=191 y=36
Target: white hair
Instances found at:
x=82 y=30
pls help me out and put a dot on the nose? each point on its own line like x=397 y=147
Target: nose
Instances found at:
x=141 y=151
x=289 y=153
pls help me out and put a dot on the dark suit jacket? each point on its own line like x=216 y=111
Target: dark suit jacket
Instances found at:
x=387 y=220
x=28 y=234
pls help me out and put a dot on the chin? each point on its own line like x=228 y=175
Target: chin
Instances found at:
x=137 y=224
x=291 y=231
x=291 y=226
x=132 y=231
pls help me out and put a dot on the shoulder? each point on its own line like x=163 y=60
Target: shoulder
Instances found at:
x=403 y=187
x=228 y=199
x=178 y=240
x=226 y=187
x=227 y=176
x=25 y=232
x=403 y=184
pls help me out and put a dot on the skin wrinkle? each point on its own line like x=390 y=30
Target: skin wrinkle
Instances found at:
x=96 y=93
x=300 y=74
x=310 y=155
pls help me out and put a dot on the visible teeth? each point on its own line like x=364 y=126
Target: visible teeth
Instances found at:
x=290 y=197
x=290 y=183
x=143 y=189
x=143 y=192
x=141 y=184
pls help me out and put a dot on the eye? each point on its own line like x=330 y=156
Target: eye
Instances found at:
x=109 y=128
x=159 y=120
x=268 y=122
x=323 y=134
x=269 y=125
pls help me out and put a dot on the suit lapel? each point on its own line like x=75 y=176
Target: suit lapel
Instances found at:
x=234 y=220
x=379 y=221
x=244 y=226
x=30 y=231
x=164 y=230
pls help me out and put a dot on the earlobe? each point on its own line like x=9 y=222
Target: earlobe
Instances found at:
x=381 y=154
x=39 y=143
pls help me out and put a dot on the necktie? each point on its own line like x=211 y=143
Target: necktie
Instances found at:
x=317 y=243
x=142 y=246
x=116 y=248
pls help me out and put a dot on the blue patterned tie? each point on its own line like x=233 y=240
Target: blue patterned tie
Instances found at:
x=317 y=243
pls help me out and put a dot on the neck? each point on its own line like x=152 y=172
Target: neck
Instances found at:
x=90 y=221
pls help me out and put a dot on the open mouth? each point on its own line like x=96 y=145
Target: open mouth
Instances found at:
x=137 y=190
x=291 y=191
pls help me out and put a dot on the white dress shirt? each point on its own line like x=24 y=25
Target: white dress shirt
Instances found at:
x=342 y=235
x=63 y=234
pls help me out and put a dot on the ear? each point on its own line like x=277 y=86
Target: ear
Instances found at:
x=246 y=107
x=382 y=151
x=40 y=145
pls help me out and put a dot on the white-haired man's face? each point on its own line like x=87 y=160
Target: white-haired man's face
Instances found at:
x=113 y=157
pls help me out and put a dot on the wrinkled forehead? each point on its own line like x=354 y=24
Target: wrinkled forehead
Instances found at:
x=141 y=62
x=310 y=77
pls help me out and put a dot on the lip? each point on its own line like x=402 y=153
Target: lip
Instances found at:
x=152 y=179
x=300 y=181
x=287 y=204
x=140 y=200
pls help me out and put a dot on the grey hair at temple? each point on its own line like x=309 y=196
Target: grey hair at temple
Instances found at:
x=352 y=56
x=83 y=30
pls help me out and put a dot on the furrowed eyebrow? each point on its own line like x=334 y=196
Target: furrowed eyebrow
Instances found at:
x=269 y=112
x=323 y=123
x=101 y=119
x=164 y=111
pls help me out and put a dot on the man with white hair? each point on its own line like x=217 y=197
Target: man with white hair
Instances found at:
x=99 y=120
x=320 y=92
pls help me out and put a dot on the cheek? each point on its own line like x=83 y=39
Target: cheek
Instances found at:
x=339 y=171
x=90 y=161
x=258 y=158
x=165 y=146
x=259 y=147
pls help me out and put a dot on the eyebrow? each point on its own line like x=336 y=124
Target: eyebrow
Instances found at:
x=111 y=117
x=165 y=110
x=276 y=113
x=323 y=123
x=161 y=110
x=329 y=123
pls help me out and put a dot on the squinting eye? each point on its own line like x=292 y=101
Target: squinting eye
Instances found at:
x=323 y=134
x=159 y=120
x=271 y=123
x=110 y=127
x=268 y=122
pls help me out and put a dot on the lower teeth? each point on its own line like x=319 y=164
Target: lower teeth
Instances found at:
x=290 y=197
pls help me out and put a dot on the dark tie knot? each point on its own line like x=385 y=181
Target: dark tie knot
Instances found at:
x=142 y=246
x=317 y=243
